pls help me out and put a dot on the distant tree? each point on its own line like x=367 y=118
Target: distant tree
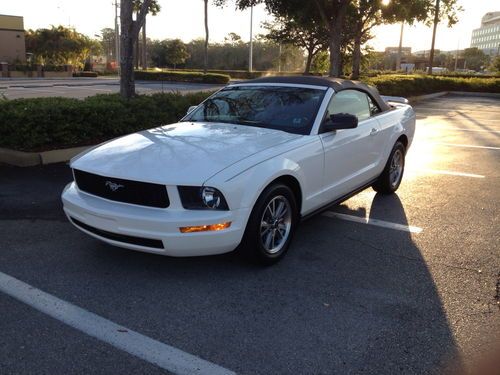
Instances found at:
x=495 y=64
x=154 y=9
x=233 y=39
x=108 y=43
x=475 y=59
x=320 y=63
x=176 y=52
x=60 y=45
x=307 y=34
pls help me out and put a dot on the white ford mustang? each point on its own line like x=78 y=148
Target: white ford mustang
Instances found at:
x=242 y=168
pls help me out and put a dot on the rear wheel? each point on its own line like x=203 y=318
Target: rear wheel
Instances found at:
x=390 y=179
x=271 y=225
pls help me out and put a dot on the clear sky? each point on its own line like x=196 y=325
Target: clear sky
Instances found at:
x=184 y=19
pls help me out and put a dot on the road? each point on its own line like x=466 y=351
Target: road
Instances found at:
x=82 y=87
x=351 y=297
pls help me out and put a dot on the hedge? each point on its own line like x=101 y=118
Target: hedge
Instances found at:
x=177 y=76
x=85 y=73
x=39 y=124
x=413 y=85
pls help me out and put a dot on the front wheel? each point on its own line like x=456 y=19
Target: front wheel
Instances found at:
x=271 y=225
x=390 y=179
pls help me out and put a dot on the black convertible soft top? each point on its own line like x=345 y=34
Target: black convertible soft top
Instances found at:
x=335 y=83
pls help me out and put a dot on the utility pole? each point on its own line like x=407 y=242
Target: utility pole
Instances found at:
x=436 y=21
x=250 y=56
x=117 y=39
x=400 y=48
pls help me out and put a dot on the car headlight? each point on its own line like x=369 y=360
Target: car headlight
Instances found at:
x=202 y=198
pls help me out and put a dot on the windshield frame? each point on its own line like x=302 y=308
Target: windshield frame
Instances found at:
x=305 y=131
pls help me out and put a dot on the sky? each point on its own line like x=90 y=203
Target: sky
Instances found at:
x=184 y=19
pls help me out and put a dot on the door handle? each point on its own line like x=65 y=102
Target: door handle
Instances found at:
x=373 y=131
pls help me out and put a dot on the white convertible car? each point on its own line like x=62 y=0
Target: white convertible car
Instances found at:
x=242 y=168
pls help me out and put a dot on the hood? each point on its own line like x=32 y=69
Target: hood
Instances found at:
x=185 y=153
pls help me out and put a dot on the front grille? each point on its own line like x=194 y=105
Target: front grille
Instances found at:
x=117 y=189
x=146 y=242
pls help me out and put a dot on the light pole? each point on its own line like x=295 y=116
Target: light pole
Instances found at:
x=250 y=55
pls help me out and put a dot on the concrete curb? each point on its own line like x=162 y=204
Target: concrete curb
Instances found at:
x=414 y=99
x=29 y=159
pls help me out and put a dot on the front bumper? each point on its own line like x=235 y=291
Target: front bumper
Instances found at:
x=120 y=223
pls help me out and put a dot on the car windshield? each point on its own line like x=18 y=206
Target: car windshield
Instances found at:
x=291 y=109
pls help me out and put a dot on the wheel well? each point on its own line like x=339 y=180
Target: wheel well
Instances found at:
x=293 y=184
x=404 y=140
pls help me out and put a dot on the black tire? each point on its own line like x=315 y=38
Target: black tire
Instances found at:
x=387 y=183
x=254 y=242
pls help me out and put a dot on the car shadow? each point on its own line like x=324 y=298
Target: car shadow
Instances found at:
x=349 y=298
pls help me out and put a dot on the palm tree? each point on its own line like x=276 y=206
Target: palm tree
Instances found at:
x=205 y=66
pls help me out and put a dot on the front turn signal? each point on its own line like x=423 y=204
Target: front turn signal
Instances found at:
x=205 y=228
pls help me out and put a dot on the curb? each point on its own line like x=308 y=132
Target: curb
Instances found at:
x=30 y=159
x=414 y=99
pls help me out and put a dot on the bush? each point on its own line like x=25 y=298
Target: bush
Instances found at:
x=180 y=76
x=39 y=124
x=85 y=74
x=413 y=85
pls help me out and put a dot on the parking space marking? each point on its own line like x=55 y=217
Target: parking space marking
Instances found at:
x=466 y=146
x=453 y=173
x=376 y=222
x=152 y=351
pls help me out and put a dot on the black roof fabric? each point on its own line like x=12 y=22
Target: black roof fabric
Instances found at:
x=335 y=83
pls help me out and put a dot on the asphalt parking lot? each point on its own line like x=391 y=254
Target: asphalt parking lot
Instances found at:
x=82 y=87
x=402 y=284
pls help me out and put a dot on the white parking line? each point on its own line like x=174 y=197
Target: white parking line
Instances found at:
x=379 y=223
x=466 y=146
x=158 y=353
x=453 y=173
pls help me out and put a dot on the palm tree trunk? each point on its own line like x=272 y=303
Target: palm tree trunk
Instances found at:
x=205 y=62
x=356 y=57
x=144 y=50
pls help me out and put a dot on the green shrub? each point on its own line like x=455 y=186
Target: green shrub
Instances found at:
x=180 y=76
x=413 y=85
x=50 y=123
x=85 y=74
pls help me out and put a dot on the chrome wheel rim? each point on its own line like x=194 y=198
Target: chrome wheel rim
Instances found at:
x=275 y=224
x=396 y=169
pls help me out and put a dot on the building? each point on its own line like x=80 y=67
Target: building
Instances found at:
x=395 y=50
x=12 y=43
x=487 y=37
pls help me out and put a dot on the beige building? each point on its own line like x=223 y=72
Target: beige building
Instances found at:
x=487 y=37
x=12 y=43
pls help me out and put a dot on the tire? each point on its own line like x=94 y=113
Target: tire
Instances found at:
x=267 y=237
x=390 y=179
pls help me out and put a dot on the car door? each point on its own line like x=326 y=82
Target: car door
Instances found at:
x=350 y=154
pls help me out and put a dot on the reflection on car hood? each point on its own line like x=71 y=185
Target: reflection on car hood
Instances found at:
x=184 y=153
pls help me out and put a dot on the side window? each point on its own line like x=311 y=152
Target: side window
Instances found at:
x=350 y=101
x=374 y=109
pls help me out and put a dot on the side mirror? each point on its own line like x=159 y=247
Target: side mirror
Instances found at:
x=191 y=109
x=339 y=121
